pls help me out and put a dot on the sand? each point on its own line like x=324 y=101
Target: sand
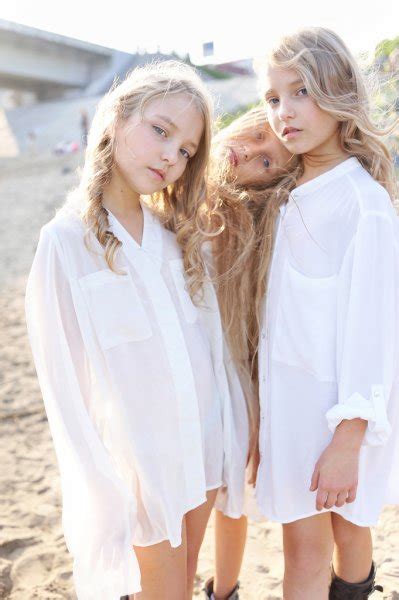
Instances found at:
x=34 y=562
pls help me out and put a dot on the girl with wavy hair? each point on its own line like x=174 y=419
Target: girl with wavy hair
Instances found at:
x=327 y=298
x=247 y=159
x=126 y=338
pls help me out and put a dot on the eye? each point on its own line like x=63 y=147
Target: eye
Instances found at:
x=266 y=163
x=185 y=153
x=272 y=101
x=259 y=135
x=302 y=92
x=159 y=130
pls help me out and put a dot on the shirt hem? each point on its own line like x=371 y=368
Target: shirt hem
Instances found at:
x=231 y=514
x=173 y=544
x=351 y=519
x=214 y=487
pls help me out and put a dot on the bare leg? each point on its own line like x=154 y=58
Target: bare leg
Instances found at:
x=353 y=550
x=230 y=537
x=163 y=570
x=308 y=548
x=196 y=522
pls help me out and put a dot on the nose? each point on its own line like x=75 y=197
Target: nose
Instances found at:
x=170 y=154
x=251 y=150
x=285 y=110
x=247 y=152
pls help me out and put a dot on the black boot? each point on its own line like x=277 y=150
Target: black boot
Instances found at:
x=342 y=590
x=208 y=589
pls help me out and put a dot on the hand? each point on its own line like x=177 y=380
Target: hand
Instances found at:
x=335 y=476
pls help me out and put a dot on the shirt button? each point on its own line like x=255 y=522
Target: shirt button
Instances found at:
x=263 y=335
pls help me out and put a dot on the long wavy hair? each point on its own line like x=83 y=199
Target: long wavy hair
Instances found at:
x=334 y=80
x=239 y=214
x=180 y=205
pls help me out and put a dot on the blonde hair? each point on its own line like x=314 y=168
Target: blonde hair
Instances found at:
x=179 y=204
x=240 y=211
x=333 y=78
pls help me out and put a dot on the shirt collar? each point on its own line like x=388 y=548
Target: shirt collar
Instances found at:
x=151 y=243
x=343 y=168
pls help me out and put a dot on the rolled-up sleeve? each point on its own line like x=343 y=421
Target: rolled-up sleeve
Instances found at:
x=98 y=509
x=367 y=326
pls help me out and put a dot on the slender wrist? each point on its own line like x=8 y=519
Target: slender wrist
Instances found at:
x=349 y=434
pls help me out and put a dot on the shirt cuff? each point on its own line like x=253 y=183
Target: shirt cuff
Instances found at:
x=372 y=410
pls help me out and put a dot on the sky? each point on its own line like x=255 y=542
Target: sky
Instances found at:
x=238 y=30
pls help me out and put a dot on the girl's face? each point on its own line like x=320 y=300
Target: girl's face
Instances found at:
x=295 y=117
x=152 y=150
x=257 y=157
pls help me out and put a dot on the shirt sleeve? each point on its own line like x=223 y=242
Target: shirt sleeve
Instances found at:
x=98 y=509
x=367 y=328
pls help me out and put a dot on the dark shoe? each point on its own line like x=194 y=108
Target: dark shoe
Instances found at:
x=342 y=590
x=208 y=589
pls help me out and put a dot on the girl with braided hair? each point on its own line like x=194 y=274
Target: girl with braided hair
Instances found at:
x=126 y=338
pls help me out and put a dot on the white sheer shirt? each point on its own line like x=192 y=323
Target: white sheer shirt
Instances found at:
x=142 y=400
x=329 y=343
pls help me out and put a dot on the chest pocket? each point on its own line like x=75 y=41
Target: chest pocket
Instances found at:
x=305 y=334
x=115 y=308
x=189 y=309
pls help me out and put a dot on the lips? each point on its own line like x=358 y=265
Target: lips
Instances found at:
x=233 y=158
x=290 y=131
x=159 y=173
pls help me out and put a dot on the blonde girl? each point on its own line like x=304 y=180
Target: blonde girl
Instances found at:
x=131 y=370
x=329 y=333
x=246 y=160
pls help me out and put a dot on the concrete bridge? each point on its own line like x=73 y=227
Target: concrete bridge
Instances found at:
x=66 y=76
x=49 y=64
x=53 y=66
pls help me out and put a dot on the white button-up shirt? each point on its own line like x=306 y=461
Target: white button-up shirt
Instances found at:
x=329 y=343
x=137 y=395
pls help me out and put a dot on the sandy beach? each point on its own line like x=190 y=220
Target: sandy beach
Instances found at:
x=34 y=563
